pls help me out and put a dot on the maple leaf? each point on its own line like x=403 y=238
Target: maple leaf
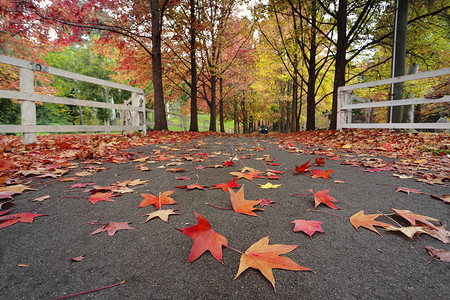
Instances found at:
x=6 y=195
x=25 y=217
x=445 y=198
x=225 y=186
x=320 y=161
x=228 y=163
x=367 y=221
x=248 y=176
x=320 y=173
x=240 y=205
x=265 y=202
x=439 y=233
x=18 y=188
x=408 y=190
x=269 y=186
x=265 y=257
x=136 y=182
x=157 y=201
x=307 y=226
x=191 y=186
x=163 y=214
x=80 y=185
x=303 y=168
x=6 y=164
x=323 y=197
x=101 y=197
x=205 y=238
x=409 y=231
x=112 y=227
x=412 y=218
x=443 y=255
x=182 y=178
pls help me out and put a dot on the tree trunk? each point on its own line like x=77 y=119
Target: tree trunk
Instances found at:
x=235 y=115
x=340 y=62
x=294 y=122
x=311 y=86
x=212 y=104
x=194 y=119
x=222 y=124
x=399 y=56
x=160 y=112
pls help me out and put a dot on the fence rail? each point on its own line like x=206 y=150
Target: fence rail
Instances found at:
x=345 y=105
x=133 y=112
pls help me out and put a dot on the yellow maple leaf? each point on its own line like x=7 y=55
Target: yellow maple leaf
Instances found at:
x=269 y=186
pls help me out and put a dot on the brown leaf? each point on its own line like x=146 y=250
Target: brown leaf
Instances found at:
x=163 y=214
x=112 y=227
x=367 y=221
x=443 y=255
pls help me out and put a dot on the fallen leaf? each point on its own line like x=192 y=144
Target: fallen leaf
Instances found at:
x=157 y=201
x=248 y=176
x=6 y=164
x=403 y=176
x=101 y=197
x=442 y=254
x=307 y=226
x=78 y=258
x=80 y=185
x=23 y=265
x=163 y=214
x=182 y=178
x=240 y=205
x=445 y=198
x=323 y=197
x=408 y=190
x=303 y=168
x=265 y=257
x=320 y=173
x=18 y=188
x=320 y=161
x=412 y=218
x=367 y=221
x=40 y=199
x=205 y=238
x=439 y=232
x=20 y=218
x=6 y=195
x=265 y=202
x=113 y=227
x=225 y=186
x=137 y=182
x=175 y=170
x=269 y=186
x=191 y=186
x=409 y=231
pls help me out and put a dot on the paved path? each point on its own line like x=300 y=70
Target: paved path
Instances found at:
x=152 y=258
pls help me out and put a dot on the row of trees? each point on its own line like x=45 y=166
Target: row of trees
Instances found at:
x=289 y=55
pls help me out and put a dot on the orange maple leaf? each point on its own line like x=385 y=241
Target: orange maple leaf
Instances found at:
x=248 y=176
x=323 y=197
x=412 y=218
x=303 y=168
x=157 y=201
x=265 y=257
x=205 y=238
x=367 y=221
x=320 y=173
x=101 y=197
x=242 y=206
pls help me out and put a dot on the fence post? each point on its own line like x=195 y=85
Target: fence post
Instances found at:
x=28 y=108
x=342 y=114
x=138 y=117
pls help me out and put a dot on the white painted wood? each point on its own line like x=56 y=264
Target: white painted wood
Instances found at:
x=398 y=125
x=61 y=100
x=28 y=108
x=65 y=128
x=58 y=72
x=395 y=103
x=420 y=75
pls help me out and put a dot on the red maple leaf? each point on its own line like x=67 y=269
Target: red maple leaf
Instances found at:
x=191 y=186
x=112 y=227
x=320 y=161
x=25 y=217
x=320 y=173
x=265 y=202
x=225 y=186
x=205 y=238
x=303 y=168
x=228 y=163
x=101 y=197
x=307 y=226
x=323 y=197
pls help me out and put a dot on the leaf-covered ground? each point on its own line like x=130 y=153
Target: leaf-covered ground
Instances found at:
x=65 y=201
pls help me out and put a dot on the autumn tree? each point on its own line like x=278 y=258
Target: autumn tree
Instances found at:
x=139 y=23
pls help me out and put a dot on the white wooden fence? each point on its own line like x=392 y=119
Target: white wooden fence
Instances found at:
x=133 y=112
x=346 y=105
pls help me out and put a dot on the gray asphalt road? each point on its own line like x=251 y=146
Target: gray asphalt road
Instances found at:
x=152 y=258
